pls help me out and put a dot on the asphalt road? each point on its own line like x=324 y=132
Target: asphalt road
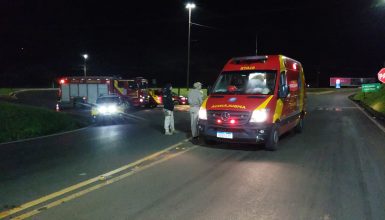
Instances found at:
x=335 y=169
x=45 y=98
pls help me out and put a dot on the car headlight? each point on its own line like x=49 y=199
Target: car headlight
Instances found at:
x=112 y=109
x=109 y=109
x=102 y=109
x=259 y=115
x=202 y=114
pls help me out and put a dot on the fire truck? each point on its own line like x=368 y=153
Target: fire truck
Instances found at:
x=78 y=91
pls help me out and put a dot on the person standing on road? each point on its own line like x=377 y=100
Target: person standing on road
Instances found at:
x=195 y=99
x=168 y=110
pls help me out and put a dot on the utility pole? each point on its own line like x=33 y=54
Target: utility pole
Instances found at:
x=256 y=44
x=189 y=6
x=85 y=56
x=318 y=73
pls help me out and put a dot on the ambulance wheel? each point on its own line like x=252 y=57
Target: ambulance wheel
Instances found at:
x=272 y=141
x=299 y=127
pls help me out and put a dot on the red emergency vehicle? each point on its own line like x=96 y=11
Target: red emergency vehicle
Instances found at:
x=83 y=91
x=136 y=90
x=255 y=99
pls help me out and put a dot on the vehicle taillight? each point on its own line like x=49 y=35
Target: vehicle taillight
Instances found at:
x=232 y=121
x=219 y=121
x=62 y=81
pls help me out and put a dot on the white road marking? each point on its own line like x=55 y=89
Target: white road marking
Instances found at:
x=45 y=136
x=367 y=115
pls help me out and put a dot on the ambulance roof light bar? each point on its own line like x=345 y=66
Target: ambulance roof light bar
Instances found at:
x=249 y=59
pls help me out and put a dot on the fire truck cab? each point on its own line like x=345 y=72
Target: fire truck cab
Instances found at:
x=136 y=90
x=255 y=99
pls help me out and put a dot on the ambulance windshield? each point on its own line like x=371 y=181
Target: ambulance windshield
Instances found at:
x=258 y=82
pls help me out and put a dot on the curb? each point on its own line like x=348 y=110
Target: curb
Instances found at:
x=45 y=136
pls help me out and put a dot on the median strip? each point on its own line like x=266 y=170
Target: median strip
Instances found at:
x=96 y=182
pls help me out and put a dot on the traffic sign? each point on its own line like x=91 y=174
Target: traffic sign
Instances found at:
x=372 y=87
x=381 y=75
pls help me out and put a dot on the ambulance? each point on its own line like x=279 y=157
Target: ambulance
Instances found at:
x=255 y=99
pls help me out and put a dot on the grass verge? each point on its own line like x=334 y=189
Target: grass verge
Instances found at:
x=374 y=100
x=21 y=122
x=6 y=91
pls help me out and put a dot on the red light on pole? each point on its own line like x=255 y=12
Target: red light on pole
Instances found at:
x=62 y=81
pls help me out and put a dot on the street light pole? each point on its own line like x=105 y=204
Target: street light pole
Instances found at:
x=189 y=6
x=85 y=56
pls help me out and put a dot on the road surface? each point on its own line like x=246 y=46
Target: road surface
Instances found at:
x=335 y=169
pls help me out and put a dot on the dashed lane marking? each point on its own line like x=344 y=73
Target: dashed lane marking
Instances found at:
x=334 y=108
x=131 y=116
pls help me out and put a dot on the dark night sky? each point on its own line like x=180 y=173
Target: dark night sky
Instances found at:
x=42 y=40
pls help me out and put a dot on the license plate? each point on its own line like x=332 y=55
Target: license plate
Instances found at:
x=223 y=134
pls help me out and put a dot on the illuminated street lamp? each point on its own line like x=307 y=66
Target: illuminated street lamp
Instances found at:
x=189 y=6
x=85 y=56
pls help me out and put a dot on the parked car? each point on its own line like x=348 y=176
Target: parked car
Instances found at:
x=179 y=100
x=157 y=98
x=108 y=106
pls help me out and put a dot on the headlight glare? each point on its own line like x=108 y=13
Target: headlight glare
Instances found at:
x=107 y=109
x=202 y=114
x=102 y=109
x=112 y=108
x=259 y=115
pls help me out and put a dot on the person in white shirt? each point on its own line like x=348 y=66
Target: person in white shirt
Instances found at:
x=195 y=99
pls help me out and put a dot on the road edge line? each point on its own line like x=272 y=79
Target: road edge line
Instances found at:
x=98 y=186
x=44 y=136
x=367 y=115
x=61 y=192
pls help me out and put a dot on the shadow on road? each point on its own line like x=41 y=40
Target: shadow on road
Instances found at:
x=245 y=146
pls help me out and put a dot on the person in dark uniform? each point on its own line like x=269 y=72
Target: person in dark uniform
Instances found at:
x=168 y=110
